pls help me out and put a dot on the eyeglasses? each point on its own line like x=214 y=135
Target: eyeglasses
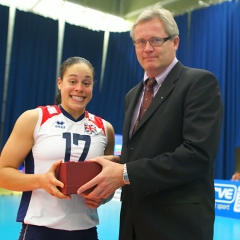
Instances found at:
x=154 y=42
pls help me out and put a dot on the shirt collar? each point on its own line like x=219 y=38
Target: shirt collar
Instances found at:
x=161 y=77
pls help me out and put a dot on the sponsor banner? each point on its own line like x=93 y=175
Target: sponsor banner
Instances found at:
x=227 y=198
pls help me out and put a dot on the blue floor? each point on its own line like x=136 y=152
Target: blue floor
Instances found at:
x=225 y=228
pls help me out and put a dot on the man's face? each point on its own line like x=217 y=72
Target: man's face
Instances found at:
x=154 y=59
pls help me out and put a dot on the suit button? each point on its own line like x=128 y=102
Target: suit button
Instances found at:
x=131 y=148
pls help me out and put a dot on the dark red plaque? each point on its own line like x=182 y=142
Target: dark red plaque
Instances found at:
x=76 y=174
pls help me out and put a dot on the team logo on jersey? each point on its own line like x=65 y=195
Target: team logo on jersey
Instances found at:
x=60 y=124
x=90 y=129
x=51 y=109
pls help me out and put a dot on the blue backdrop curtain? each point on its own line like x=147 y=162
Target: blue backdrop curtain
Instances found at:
x=32 y=76
x=211 y=49
x=4 y=12
x=82 y=42
x=182 y=52
x=235 y=40
x=122 y=72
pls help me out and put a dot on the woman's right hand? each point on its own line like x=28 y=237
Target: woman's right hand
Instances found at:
x=51 y=184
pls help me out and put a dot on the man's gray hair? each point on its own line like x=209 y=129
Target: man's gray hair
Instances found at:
x=165 y=16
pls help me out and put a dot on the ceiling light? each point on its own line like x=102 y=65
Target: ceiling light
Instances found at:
x=204 y=4
x=72 y=13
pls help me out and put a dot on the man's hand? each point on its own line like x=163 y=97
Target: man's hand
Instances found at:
x=107 y=181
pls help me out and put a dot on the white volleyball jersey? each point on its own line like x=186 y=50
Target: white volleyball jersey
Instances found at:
x=58 y=136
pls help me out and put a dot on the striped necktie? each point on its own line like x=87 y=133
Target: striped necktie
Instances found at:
x=148 y=96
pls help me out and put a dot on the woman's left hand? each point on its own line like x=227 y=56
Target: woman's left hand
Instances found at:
x=94 y=203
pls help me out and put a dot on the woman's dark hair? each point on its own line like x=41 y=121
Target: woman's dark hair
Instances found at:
x=65 y=65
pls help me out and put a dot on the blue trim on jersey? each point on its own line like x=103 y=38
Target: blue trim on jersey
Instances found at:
x=29 y=163
x=26 y=196
x=65 y=113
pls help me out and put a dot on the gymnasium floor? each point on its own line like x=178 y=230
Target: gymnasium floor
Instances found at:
x=225 y=228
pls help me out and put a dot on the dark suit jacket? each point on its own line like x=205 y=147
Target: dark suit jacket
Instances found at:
x=170 y=159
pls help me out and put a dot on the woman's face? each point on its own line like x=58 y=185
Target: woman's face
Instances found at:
x=76 y=88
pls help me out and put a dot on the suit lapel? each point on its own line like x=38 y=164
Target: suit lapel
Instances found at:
x=130 y=109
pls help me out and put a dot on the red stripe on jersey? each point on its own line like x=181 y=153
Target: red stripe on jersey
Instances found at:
x=97 y=121
x=48 y=112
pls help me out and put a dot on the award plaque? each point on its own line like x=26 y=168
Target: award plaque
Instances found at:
x=75 y=174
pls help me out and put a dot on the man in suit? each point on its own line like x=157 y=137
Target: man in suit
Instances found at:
x=167 y=160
